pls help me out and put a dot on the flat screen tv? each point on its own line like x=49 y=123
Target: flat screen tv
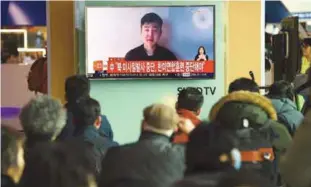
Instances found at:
x=150 y=42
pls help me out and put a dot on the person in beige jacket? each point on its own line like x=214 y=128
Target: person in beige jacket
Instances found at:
x=296 y=166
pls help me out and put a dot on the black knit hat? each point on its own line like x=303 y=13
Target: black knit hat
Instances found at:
x=209 y=148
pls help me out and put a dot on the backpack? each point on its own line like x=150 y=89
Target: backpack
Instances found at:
x=257 y=152
x=37 y=76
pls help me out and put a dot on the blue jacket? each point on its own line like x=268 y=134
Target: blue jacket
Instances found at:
x=287 y=113
x=68 y=130
x=99 y=144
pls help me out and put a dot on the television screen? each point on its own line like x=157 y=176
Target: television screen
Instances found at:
x=150 y=42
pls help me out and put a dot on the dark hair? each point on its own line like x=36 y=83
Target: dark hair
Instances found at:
x=86 y=112
x=9 y=147
x=151 y=18
x=190 y=98
x=243 y=84
x=203 y=50
x=244 y=178
x=77 y=87
x=61 y=164
x=281 y=89
x=207 y=142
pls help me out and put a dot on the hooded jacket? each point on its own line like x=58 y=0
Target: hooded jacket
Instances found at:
x=233 y=108
x=296 y=167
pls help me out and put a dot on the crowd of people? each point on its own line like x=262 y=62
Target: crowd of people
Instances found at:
x=247 y=139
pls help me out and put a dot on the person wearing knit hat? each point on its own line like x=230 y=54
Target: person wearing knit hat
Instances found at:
x=153 y=157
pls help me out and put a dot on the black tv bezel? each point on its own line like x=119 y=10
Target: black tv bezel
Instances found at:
x=149 y=78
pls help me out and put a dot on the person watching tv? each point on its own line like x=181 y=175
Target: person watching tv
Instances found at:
x=244 y=84
x=189 y=103
x=151 y=31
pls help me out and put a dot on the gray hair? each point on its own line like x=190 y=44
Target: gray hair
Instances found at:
x=43 y=115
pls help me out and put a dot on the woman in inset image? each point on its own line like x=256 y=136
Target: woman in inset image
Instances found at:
x=201 y=56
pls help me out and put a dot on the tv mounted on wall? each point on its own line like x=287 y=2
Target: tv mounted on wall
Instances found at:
x=176 y=42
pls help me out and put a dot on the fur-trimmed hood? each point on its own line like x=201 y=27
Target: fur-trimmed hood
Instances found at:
x=244 y=97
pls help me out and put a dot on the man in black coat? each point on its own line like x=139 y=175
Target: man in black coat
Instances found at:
x=153 y=159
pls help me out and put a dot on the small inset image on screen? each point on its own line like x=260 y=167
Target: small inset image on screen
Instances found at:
x=150 y=42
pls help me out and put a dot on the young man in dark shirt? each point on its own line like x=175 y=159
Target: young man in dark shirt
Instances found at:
x=151 y=30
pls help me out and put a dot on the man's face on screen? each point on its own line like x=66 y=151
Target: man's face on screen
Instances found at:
x=151 y=33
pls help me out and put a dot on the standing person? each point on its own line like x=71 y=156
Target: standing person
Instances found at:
x=306 y=56
x=211 y=154
x=42 y=119
x=151 y=31
x=282 y=97
x=201 y=56
x=87 y=125
x=188 y=106
x=153 y=158
x=77 y=87
x=254 y=119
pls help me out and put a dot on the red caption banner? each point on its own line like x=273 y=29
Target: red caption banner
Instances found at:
x=118 y=66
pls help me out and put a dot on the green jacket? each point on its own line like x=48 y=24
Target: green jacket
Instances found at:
x=257 y=109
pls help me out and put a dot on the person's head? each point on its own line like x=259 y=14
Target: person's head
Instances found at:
x=88 y=113
x=244 y=178
x=243 y=84
x=201 y=50
x=37 y=76
x=190 y=98
x=9 y=52
x=77 y=87
x=282 y=89
x=42 y=118
x=306 y=48
x=151 y=29
x=212 y=148
x=160 y=118
x=60 y=164
x=12 y=153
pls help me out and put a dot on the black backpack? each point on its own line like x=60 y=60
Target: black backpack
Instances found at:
x=255 y=144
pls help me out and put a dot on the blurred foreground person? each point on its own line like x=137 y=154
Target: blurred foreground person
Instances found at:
x=42 y=119
x=245 y=179
x=153 y=159
x=262 y=139
x=296 y=167
x=282 y=97
x=59 y=165
x=188 y=106
x=12 y=157
x=211 y=154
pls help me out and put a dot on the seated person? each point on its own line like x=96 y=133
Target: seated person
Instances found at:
x=282 y=97
x=245 y=84
x=60 y=164
x=189 y=103
x=12 y=157
x=153 y=158
x=151 y=31
x=87 y=124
